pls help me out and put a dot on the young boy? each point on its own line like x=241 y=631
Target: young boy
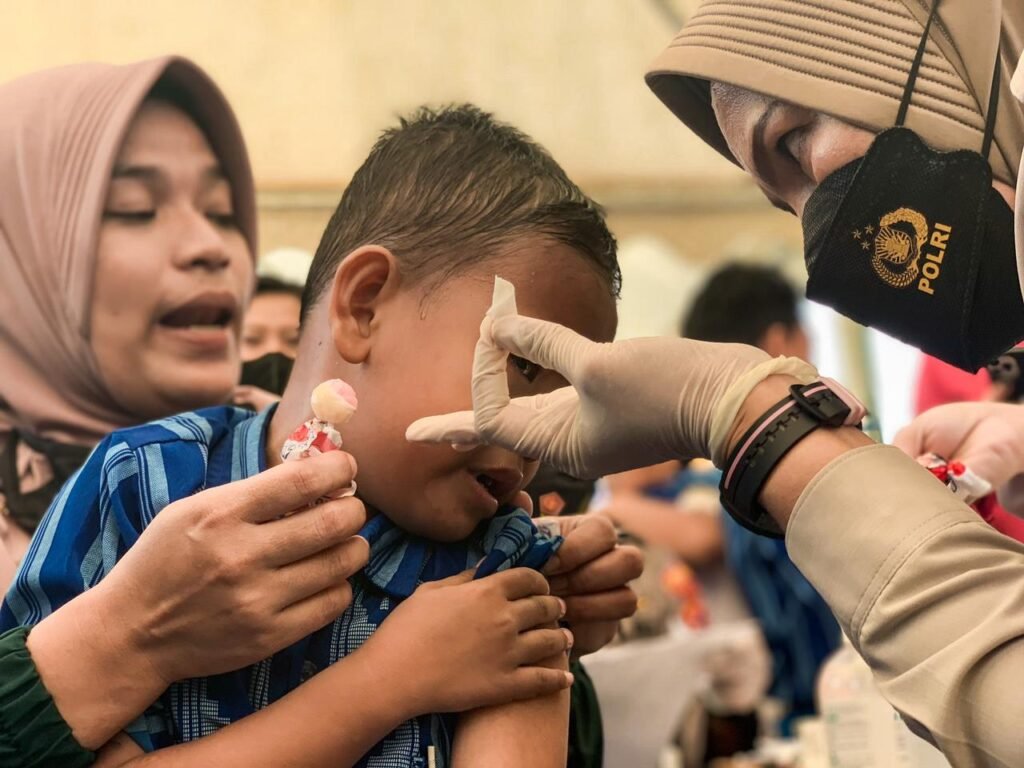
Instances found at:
x=400 y=282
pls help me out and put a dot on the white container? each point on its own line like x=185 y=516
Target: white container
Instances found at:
x=862 y=730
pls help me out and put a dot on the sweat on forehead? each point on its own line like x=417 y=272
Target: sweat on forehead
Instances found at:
x=446 y=188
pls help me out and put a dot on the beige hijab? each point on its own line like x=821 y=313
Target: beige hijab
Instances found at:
x=850 y=58
x=60 y=132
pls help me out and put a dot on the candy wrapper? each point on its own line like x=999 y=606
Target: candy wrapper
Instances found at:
x=333 y=403
x=964 y=484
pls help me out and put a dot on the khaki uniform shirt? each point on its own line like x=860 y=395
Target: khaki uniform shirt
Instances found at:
x=929 y=594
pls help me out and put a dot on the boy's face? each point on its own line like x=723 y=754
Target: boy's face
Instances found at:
x=421 y=364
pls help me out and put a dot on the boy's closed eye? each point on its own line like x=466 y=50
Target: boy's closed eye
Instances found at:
x=528 y=370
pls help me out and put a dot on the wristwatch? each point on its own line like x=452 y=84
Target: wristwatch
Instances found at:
x=822 y=403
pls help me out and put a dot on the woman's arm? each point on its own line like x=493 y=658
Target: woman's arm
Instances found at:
x=931 y=596
x=531 y=733
x=107 y=652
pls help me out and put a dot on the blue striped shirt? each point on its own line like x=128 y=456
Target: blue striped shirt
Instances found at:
x=134 y=473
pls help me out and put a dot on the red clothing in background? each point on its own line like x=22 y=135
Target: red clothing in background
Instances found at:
x=939 y=383
x=1004 y=522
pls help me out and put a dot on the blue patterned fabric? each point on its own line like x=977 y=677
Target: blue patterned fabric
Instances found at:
x=135 y=473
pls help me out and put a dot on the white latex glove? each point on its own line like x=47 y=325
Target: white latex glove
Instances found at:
x=988 y=438
x=631 y=403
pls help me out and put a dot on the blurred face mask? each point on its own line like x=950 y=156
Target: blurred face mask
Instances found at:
x=917 y=243
x=269 y=372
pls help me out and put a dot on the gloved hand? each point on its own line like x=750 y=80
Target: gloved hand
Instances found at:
x=630 y=404
x=985 y=437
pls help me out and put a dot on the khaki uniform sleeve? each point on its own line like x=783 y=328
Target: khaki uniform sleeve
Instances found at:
x=929 y=594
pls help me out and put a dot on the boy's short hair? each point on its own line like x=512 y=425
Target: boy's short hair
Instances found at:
x=447 y=187
x=738 y=303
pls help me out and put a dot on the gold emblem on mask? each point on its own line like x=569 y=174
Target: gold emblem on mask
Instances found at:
x=897 y=249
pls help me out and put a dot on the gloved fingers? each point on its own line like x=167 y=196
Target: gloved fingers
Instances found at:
x=528 y=425
x=947 y=429
x=457 y=428
x=550 y=345
x=490 y=376
x=490 y=362
x=516 y=426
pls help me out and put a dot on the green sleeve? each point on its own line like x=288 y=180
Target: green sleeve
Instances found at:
x=32 y=732
x=586 y=738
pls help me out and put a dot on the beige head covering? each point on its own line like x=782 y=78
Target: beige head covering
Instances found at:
x=850 y=58
x=60 y=133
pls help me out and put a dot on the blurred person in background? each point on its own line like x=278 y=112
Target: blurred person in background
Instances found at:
x=270 y=338
x=742 y=574
x=756 y=305
x=271 y=323
x=939 y=383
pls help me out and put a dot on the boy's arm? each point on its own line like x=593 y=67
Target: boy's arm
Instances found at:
x=304 y=729
x=534 y=732
x=455 y=644
x=332 y=720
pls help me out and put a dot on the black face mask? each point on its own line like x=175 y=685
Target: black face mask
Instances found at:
x=917 y=243
x=269 y=372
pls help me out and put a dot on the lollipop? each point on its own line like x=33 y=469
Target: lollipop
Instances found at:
x=333 y=404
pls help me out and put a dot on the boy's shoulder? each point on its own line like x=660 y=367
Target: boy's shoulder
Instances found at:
x=205 y=426
x=145 y=468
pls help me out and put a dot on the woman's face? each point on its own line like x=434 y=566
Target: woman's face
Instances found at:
x=789 y=149
x=173 y=274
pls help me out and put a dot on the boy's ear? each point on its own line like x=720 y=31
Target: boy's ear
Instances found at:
x=364 y=280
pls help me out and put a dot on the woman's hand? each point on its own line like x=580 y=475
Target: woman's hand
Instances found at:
x=459 y=644
x=986 y=437
x=631 y=403
x=245 y=560
x=591 y=572
x=219 y=580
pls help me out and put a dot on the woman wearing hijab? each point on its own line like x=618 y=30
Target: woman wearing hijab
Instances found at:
x=801 y=93
x=120 y=231
x=127 y=227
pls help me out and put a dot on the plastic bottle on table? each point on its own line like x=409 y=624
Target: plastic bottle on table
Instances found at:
x=862 y=730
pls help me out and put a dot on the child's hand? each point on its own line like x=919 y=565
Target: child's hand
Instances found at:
x=460 y=644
